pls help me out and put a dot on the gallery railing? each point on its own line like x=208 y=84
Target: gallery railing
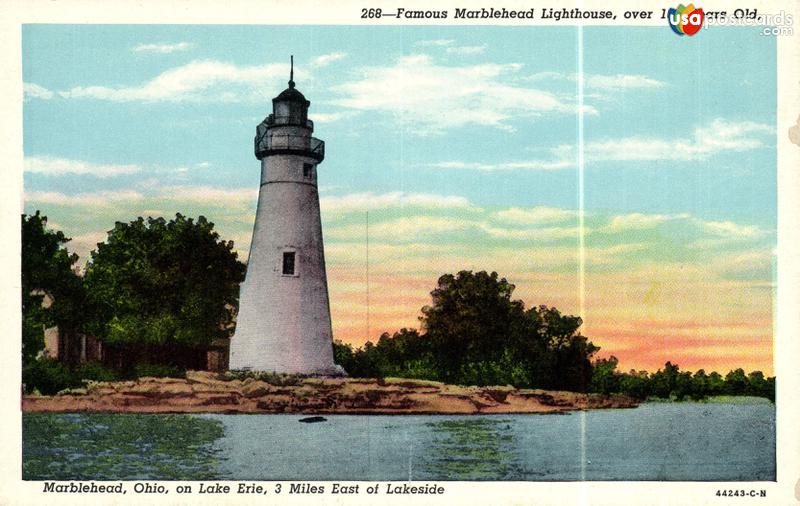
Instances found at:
x=268 y=144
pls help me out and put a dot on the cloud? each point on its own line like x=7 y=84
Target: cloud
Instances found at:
x=369 y=201
x=490 y=167
x=83 y=244
x=755 y=263
x=450 y=48
x=418 y=227
x=206 y=194
x=466 y=49
x=319 y=117
x=435 y=42
x=60 y=166
x=433 y=98
x=195 y=81
x=161 y=48
x=403 y=229
x=718 y=136
x=724 y=232
x=601 y=82
x=96 y=199
x=533 y=234
x=534 y=215
x=325 y=59
x=732 y=230
x=192 y=194
x=639 y=221
x=620 y=81
x=612 y=254
x=32 y=90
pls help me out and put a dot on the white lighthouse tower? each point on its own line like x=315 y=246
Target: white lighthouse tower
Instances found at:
x=284 y=321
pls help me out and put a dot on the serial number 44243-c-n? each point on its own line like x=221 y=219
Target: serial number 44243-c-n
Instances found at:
x=741 y=493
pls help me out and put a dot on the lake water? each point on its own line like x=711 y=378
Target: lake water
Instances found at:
x=656 y=441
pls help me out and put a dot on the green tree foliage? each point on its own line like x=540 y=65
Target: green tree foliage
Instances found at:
x=474 y=333
x=604 y=378
x=405 y=354
x=159 y=289
x=736 y=382
x=635 y=383
x=48 y=376
x=672 y=383
x=47 y=270
x=471 y=319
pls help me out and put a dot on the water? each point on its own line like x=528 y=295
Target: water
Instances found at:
x=658 y=441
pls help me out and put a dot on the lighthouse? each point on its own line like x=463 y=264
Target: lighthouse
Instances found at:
x=284 y=320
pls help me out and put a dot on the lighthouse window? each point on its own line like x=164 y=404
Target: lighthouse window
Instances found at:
x=288 y=263
x=307 y=168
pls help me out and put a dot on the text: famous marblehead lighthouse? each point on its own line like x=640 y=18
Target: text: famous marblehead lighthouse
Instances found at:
x=284 y=321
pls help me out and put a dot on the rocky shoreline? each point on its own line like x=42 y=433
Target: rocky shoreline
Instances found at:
x=205 y=392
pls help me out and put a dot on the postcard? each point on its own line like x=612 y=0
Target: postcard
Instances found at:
x=464 y=253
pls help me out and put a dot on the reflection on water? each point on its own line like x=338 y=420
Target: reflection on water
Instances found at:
x=106 y=446
x=662 y=441
x=472 y=449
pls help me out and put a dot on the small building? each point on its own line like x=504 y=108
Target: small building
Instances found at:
x=71 y=348
x=217 y=355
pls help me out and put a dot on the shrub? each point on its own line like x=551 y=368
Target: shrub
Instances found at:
x=48 y=376
x=95 y=371
x=158 y=371
x=273 y=378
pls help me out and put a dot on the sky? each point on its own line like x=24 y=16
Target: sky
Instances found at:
x=451 y=148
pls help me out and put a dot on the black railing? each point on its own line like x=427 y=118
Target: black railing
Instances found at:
x=274 y=144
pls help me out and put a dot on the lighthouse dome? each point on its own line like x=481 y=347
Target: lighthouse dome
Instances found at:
x=290 y=107
x=291 y=94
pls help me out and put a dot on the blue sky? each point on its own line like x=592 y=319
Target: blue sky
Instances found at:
x=462 y=144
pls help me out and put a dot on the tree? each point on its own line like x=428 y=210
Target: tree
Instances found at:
x=636 y=384
x=159 y=291
x=605 y=379
x=700 y=385
x=469 y=319
x=716 y=383
x=683 y=385
x=478 y=334
x=736 y=382
x=561 y=356
x=663 y=382
x=47 y=271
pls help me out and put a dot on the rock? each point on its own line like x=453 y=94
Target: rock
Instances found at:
x=217 y=399
x=498 y=394
x=73 y=391
x=163 y=381
x=255 y=389
x=203 y=392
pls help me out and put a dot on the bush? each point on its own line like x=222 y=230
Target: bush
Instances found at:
x=273 y=378
x=95 y=371
x=48 y=376
x=158 y=371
